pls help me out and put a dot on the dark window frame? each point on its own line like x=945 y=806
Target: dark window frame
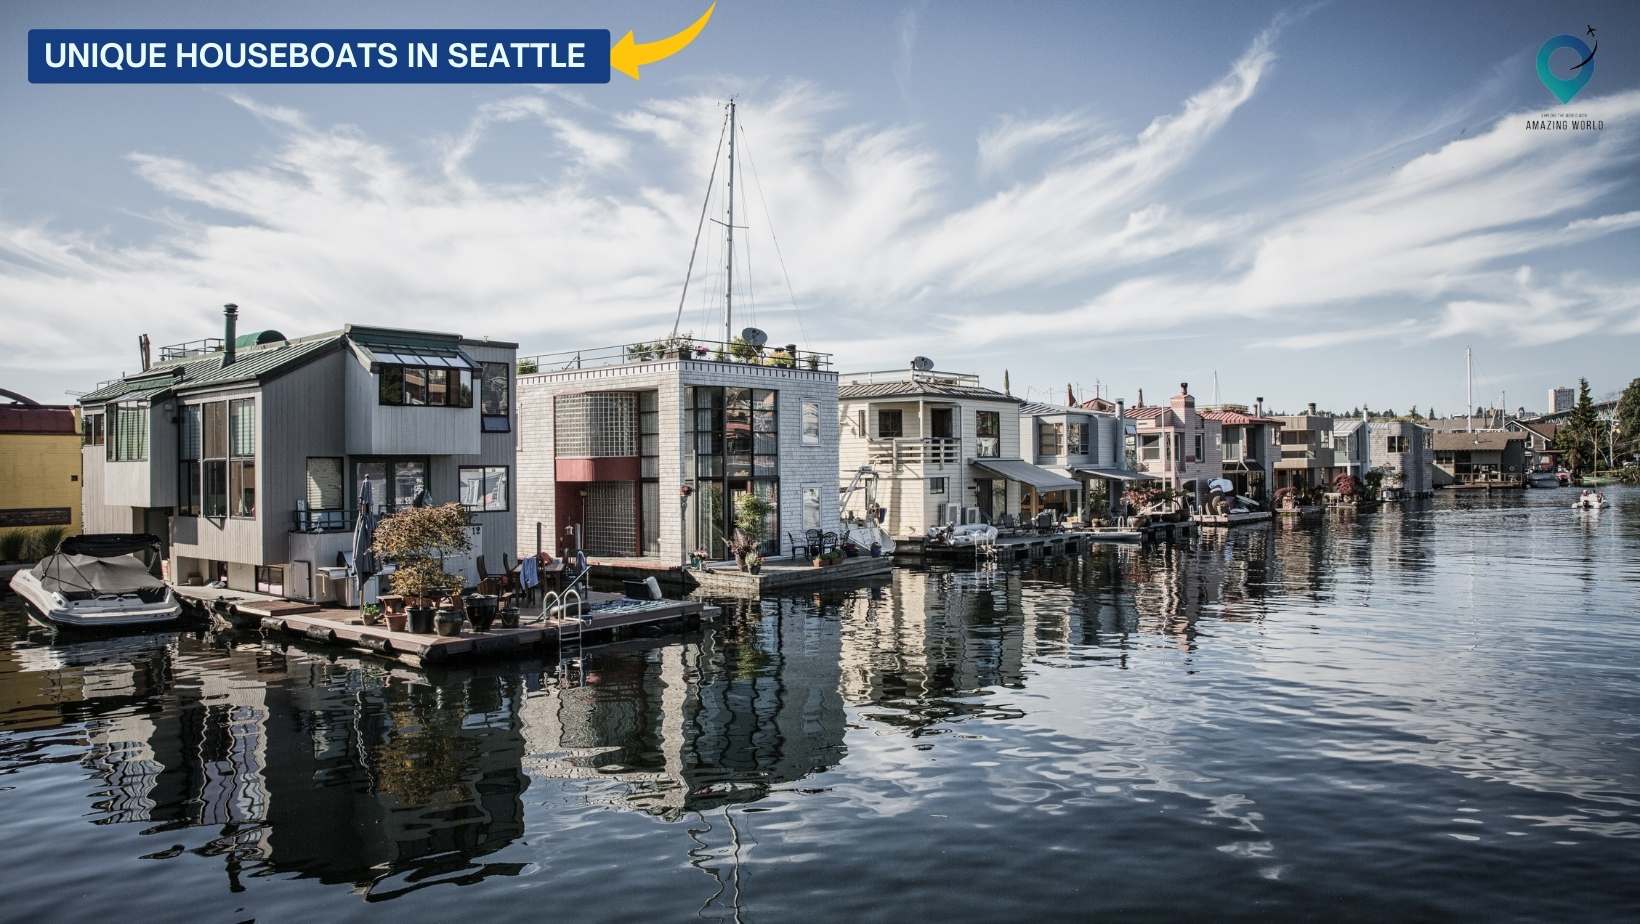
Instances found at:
x=393 y=387
x=899 y=423
x=489 y=422
x=485 y=470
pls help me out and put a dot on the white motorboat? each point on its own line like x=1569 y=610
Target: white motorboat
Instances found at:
x=97 y=582
x=1590 y=501
x=967 y=535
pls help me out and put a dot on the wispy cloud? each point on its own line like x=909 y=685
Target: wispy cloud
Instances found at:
x=1083 y=234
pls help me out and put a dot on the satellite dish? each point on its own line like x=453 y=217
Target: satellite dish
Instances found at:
x=922 y=364
x=754 y=337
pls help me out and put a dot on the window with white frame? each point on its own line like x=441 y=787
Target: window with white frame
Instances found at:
x=811 y=423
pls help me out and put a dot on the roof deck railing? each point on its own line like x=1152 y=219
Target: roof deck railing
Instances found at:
x=880 y=376
x=786 y=356
x=190 y=348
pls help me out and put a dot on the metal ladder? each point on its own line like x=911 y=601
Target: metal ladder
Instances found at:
x=568 y=609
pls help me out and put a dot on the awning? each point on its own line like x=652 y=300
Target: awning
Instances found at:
x=1025 y=473
x=1114 y=474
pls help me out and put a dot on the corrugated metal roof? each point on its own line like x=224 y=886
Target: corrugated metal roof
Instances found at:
x=1038 y=409
x=1236 y=417
x=208 y=371
x=866 y=390
x=1146 y=412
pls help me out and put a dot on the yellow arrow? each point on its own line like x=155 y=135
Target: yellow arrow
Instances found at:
x=627 y=56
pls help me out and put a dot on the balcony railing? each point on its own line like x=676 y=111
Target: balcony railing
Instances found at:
x=786 y=356
x=932 y=452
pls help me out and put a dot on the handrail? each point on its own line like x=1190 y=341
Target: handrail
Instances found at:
x=779 y=356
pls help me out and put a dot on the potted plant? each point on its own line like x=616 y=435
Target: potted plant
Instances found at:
x=740 y=348
x=371 y=613
x=813 y=360
x=447 y=621
x=395 y=620
x=528 y=367
x=754 y=562
x=507 y=611
x=416 y=540
x=751 y=528
x=481 y=611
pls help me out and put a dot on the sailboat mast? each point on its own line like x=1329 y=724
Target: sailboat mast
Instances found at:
x=729 y=289
x=1469 y=391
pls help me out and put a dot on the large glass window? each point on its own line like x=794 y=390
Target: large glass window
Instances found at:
x=409 y=480
x=426 y=386
x=890 y=423
x=393 y=482
x=188 y=450
x=988 y=434
x=325 y=490
x=495 y=398
x=91 y=426
x=1047 y=438
x=1150 y=447
x=1076 y=439
x=127 y=433
x=735 y=435
x=215 y=477
x=484 y=487
x=242 y=427
x=242 y=487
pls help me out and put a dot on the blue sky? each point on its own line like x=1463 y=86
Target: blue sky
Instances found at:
x=1316 y=202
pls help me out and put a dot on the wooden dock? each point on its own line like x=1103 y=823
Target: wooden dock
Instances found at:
x=780 y=575
x=608 y=617
x=1226 y=520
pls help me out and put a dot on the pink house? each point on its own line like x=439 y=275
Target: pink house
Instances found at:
x=1180 y=447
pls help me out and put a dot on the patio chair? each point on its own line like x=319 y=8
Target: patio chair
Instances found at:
x=828 y=541
x=814 y=542
x=798 y=544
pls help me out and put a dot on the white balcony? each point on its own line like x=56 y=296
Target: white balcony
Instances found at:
x=912 y=456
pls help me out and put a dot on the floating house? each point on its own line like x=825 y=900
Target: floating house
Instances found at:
x=245 y=453
x=643 y=450
x=1352 y=447
x=1178 y=446
x=39 y=465
x=1308 y=461
x=939 y=447
x=1484 y=458
x=1250 y=447
x=1079 y=443
x=1407 y=450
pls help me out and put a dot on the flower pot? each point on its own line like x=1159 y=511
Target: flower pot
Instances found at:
x=421 y=619
x=818 y=561
x=448 y=623
x=755 y=567
x=395 y=622
x=481 y=612
x=509 y=617
x=371 y=619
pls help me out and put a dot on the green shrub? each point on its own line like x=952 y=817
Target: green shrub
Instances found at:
x=43 y=542
x=13 y=543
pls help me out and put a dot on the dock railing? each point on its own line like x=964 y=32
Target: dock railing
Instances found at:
x=903 y=452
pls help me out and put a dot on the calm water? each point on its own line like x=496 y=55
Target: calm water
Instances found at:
x=1426 y=712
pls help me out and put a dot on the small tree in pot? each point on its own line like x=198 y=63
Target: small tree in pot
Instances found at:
x=751 y=528
x=416 y=540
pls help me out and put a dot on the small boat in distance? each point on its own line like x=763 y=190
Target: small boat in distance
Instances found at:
x=99 y=581
x=1544 y=475
x=1589 y=500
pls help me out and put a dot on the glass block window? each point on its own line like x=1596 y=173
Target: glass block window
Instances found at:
x=611 y=525
x=596 y=425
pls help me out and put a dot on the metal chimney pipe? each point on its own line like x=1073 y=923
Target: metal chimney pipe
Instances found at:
x=143 y=352
x=1312 y=408
x=230 y=324
x=1258 y=406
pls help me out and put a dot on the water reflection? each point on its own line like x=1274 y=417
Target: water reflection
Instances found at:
x=1240 y=681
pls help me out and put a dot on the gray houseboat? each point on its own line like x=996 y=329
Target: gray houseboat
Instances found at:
x=245 y=453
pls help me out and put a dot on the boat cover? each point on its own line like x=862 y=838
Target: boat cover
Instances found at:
x=80 y=574
x=109 y=545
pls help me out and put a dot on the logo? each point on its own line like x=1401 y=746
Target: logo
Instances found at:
x=1565 y=88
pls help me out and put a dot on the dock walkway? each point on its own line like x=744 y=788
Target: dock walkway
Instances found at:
x=609 y=614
